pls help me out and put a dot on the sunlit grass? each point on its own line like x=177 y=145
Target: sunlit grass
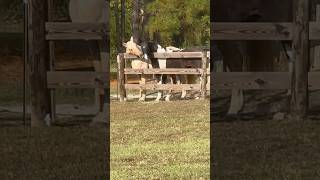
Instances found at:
x=167 y=140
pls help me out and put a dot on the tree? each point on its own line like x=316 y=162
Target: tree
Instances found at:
x=137 y=21
x=181 y=23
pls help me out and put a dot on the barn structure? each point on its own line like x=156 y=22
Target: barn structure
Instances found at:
x=300 y=31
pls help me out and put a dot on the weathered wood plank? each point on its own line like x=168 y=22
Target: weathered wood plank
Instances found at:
x=76 y=31
x=251 y=80
x=259 y=31
x=163 y=71
x=65 y=79
x=250 y=31
x=203 y=83
x=316 y=50
x=38 y=62
x=176 y=87
x=51 y=62
x=314 y=80
x=314 y=31
x=300 y=47
x=172 y=55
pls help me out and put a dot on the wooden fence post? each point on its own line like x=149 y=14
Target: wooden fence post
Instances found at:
x=38 y=62
x=204 y=76
x=316 y=58
x=121 y=80
x=51 y=62
x=300 y=46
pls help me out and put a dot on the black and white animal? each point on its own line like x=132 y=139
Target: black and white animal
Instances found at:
x=251 y=56
x=146 y=60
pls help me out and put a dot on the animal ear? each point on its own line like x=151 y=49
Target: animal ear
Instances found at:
x=131 y=39
x=124 y=44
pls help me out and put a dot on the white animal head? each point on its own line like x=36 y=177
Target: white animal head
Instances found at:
x=160 y=49
x=88 y=11
x=133 y=48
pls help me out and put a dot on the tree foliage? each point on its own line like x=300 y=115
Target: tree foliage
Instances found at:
x=180 y=23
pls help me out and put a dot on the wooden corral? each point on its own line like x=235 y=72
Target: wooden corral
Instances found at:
x=42 y=33
x=203 y=87
x=300 y=31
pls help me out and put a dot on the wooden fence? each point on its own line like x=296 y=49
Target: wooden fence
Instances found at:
x=300 y=32
x=187 y=56
x=44 y=79
x=69 y=79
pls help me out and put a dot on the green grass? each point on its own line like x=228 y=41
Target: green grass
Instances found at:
x=53 y=153
x=12 y=94
x=266 y=149
x=160 y=141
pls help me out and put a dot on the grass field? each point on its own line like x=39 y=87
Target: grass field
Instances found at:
x=68 y=153
x=266 y=149
x=167 y=140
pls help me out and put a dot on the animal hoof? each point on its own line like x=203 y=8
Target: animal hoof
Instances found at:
x=141 y=100
x=279 y=116
x=167 y=99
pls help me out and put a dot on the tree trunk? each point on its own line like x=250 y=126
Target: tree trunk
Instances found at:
x=38 y=62
x=123 y=21
x=136 y=21
x=118 y=27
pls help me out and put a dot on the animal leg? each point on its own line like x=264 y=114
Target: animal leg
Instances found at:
x=159 y=92
x=170 y=91
x=142 y=92
x=184 y=92
x=236 y=102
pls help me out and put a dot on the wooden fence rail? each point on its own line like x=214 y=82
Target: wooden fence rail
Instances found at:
x=259 y=31
x=300 y=31
x=80 y=79
x=76 y=31
x=203 y=87
x=260 y=80
x=98 y=79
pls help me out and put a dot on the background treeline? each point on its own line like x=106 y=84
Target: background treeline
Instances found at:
x=178 y=23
